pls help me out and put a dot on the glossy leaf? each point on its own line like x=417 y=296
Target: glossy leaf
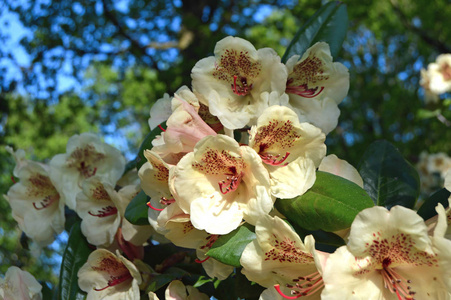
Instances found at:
x=147 y=144
x=427 y=210
x=388 y=178
x=328 y=24
x=161 y=280
x=136 y=211
x=75 y=256
x=331 y=204
x=228 y=248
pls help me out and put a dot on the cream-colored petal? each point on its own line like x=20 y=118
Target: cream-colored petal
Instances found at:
x=332 y=164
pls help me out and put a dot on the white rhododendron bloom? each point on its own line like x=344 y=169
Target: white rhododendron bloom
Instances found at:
x=97 y=207
x=19 y=284
x=36 y=205
x=389 y=256
x=85 y=157
x=332 y=164
x=109 y=276
x=279 y=257
x=176 y=290
x=425 y=81
x=220 y=184
x=316 y=85
x=290 y=150
x=232 y=81
x=440 y=74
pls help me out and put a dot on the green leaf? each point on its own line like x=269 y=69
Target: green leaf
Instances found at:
x=228 y=248
x=427 y=210
x=328 y=24
x=136 y=211
x=75 y=255
x=246 y=289
x=388 y=178
x=147 y=144
x=331 y=204
x=161 y=280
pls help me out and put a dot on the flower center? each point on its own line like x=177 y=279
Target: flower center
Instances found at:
x=304 y=286
x=104 y=212
x=237 y=69
x=115 y=280
x=274 y=160
x=46 y=202
x=83 y=160
x=306 y=77
x=231 y=183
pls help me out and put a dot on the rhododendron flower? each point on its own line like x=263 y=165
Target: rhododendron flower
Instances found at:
x=279 y=260
x=85 y=157
x=232 y=81
x=316 y=85
x=389 y=256
x=109 y=276
x=220 y=183
x=440 y=74
x=290 y=150
x=425 y=81
x=19 y=284
x=176 y=290
x=36 y=205
x=332 y=164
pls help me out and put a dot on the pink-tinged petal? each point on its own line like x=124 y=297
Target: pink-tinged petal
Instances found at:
x=19 y=284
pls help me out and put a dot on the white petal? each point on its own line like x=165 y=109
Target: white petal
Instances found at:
x=332 y=164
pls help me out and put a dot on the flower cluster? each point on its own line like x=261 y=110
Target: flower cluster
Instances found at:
x=251 y=130
x=436 y=79
x=432 y=169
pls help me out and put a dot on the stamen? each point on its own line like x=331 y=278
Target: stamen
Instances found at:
x=270 y=160
x=277 y=287
x=166 y=201
x=115 y=281
x=161 y=127
x=241 y=90
x=45 y=203
x=202 y=261
x=303 y=90
x=104 y=212
x=154 y=208
x=397 y=284
x=13 y=180
x=230 y=184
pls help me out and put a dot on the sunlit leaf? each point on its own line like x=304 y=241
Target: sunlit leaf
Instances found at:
x=228 y=248
x=331 y=204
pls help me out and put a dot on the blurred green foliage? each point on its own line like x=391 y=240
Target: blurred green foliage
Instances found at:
x=127 y=54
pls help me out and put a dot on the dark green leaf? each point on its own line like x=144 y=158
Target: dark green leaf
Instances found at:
x=328 y=24
x=427 y=210
x=331 y=204
x=388 y=178
x=136 y=211
x=75 y=255
x=228 y=248
x=147 y=144
x=130 y=166
x=226 y=290
x=161 y=280
x=323 y=239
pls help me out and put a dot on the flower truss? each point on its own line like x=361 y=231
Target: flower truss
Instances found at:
x=234 y=177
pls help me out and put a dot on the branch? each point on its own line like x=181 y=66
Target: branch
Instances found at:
x=441 y=47
x=122 y=32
